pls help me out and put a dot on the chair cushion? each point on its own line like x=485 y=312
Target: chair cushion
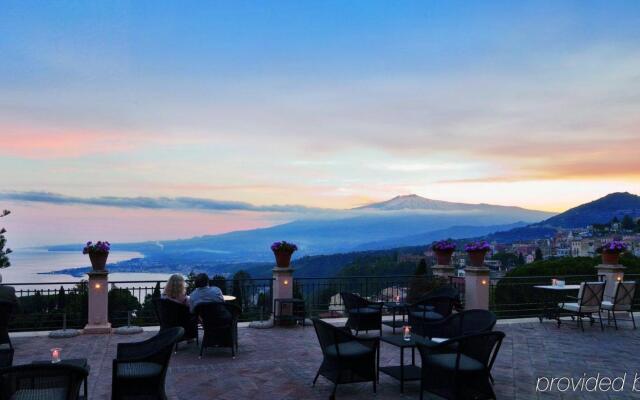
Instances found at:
x=139 y=370
x=574 y=307
x=426 y=315
x=426 y=307
x=348 y=349
x=40 y=394
x=607 y=305
x=448 y=361
x=364 y=310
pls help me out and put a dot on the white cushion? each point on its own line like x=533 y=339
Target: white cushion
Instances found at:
x=574 y=307
x=607 y=305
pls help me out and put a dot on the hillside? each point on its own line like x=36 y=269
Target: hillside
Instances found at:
x=598 y=211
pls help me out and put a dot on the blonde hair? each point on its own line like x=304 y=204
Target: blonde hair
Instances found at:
x=175 y=287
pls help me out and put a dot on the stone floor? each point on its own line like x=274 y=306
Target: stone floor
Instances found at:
x=280 y=363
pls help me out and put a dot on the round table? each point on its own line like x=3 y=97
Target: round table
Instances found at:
x=229 y=298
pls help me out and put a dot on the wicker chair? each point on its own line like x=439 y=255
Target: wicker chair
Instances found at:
x=459 y=324
x=363 y=315
x=622 y=302
x=140 y=368
x=41 y=381
x=6 y=356
x=171 y=314
x=346 y=357
x=428 y=310
x=589 y=301
x=220 y=323
x=460 y=368
x=7 y=309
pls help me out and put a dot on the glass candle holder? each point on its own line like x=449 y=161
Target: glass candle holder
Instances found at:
x=55 y=355
x=406 y=333
x=398 y=299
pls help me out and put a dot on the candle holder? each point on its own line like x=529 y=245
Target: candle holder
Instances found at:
x=398 y=299
x=55 y=355
x=406 y=333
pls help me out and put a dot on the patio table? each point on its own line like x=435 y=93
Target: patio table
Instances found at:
x=396 y=307
x=403 y=372
x=228 y=298
x=78 y=362
x=549 y=305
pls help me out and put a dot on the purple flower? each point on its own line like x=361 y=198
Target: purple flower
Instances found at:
x=284 y=246
x=98 y=248
x=444 y=245
x=615 y=246
x=477 y=246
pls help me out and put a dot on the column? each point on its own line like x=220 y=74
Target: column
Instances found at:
x=476 y=288
x=282 y=289
x=610 y=273
x=98 y=318
x=443 y=271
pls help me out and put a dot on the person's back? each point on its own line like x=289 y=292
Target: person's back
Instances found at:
x=8 y=293
x=204 y=293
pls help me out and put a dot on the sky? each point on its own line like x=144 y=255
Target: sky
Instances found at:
x=327 y=104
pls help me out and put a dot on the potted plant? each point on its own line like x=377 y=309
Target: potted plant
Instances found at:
x=444 y=250
x=98 y=253
x=477 y=251
x=283 y=251
x=611 y=252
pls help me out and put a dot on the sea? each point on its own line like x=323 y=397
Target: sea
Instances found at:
x=31 y=266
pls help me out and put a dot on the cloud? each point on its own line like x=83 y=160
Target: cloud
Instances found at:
x=155 y=203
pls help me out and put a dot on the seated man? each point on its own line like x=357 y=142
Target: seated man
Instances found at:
x=204 y=293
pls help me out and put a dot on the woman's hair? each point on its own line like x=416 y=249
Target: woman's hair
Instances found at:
x=175 y=287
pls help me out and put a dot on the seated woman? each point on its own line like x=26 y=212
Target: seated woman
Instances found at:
x=174 y=308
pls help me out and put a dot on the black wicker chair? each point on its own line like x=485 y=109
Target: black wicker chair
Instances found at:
x=363 y=315
x=171 y=314
x=6 y=356
x=7 y=308
x=346 y=358
x=41 y=381
x=220 y=323
x=460 y=368
x=139 y=369
x=428 y=310
x=459 y=324
x=450 y=292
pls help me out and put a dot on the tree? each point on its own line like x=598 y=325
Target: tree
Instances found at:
x=520 y=259
x=628 y=223
x=539 y=256
x=62 y=299
x=219 y=281
x=121 y=301
x=4 y=259
x=240 y=288
x=421 y=269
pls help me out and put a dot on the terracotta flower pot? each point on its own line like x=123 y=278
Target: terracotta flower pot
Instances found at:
x=283 y=258
x=610 y=258
x=98 y=261
x=444 y=256
x=476 y=258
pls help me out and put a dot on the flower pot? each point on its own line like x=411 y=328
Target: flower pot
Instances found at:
x=610 y=258
x=283 y=258
x=476 y=258
x=443 y=257
x=98 y=260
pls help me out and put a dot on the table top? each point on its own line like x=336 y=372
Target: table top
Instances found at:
x=393 y=304
x=398 y=340
x=552 y=287
x=78 y=362
x=229 y=298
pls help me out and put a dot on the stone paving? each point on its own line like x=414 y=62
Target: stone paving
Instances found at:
x=280 y=363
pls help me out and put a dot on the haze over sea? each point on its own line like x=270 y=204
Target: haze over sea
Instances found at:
x=31 y=265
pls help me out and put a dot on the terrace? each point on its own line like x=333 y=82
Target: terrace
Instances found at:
x=281 y=362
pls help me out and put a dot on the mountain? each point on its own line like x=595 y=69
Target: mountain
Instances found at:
x=598 y=211
x=414 y=202
x=404 y=220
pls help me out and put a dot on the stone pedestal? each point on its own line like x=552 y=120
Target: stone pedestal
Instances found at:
x=443 y=271
x=282 y=288
x=98 y=318
x=476 y=288
x=610 y=273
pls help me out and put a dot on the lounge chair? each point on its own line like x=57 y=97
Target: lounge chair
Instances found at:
x=42 y=381
x=460 y=368
x=346 y=357
x=587 y=303
x=622 y=302
x=363 y=315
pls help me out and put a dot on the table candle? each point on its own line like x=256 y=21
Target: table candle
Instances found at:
x=55 y=355
x=398 y=299
x=406 y=333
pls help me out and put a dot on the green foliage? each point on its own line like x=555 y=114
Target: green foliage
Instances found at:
x=508 y=260
x=121 y=301
x=539 y=256
x=628 y=223
x=219 y=281
x=4 y=252
x=241 y=289
x=421 y=269
x=377 y=265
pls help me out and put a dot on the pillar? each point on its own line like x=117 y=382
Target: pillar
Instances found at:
x=98 y=318
x=610 y=273
x=282 y=288
x=476 y=288
x=443 y=271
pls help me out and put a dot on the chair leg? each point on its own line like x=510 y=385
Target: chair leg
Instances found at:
x=633 y=319
x=374 y=385
x=333 y=393
x=421 y=388
x=601 y=325
x=316 y=378
x=615 y=321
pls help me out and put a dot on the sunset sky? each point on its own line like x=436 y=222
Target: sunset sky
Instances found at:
x=318 y=104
